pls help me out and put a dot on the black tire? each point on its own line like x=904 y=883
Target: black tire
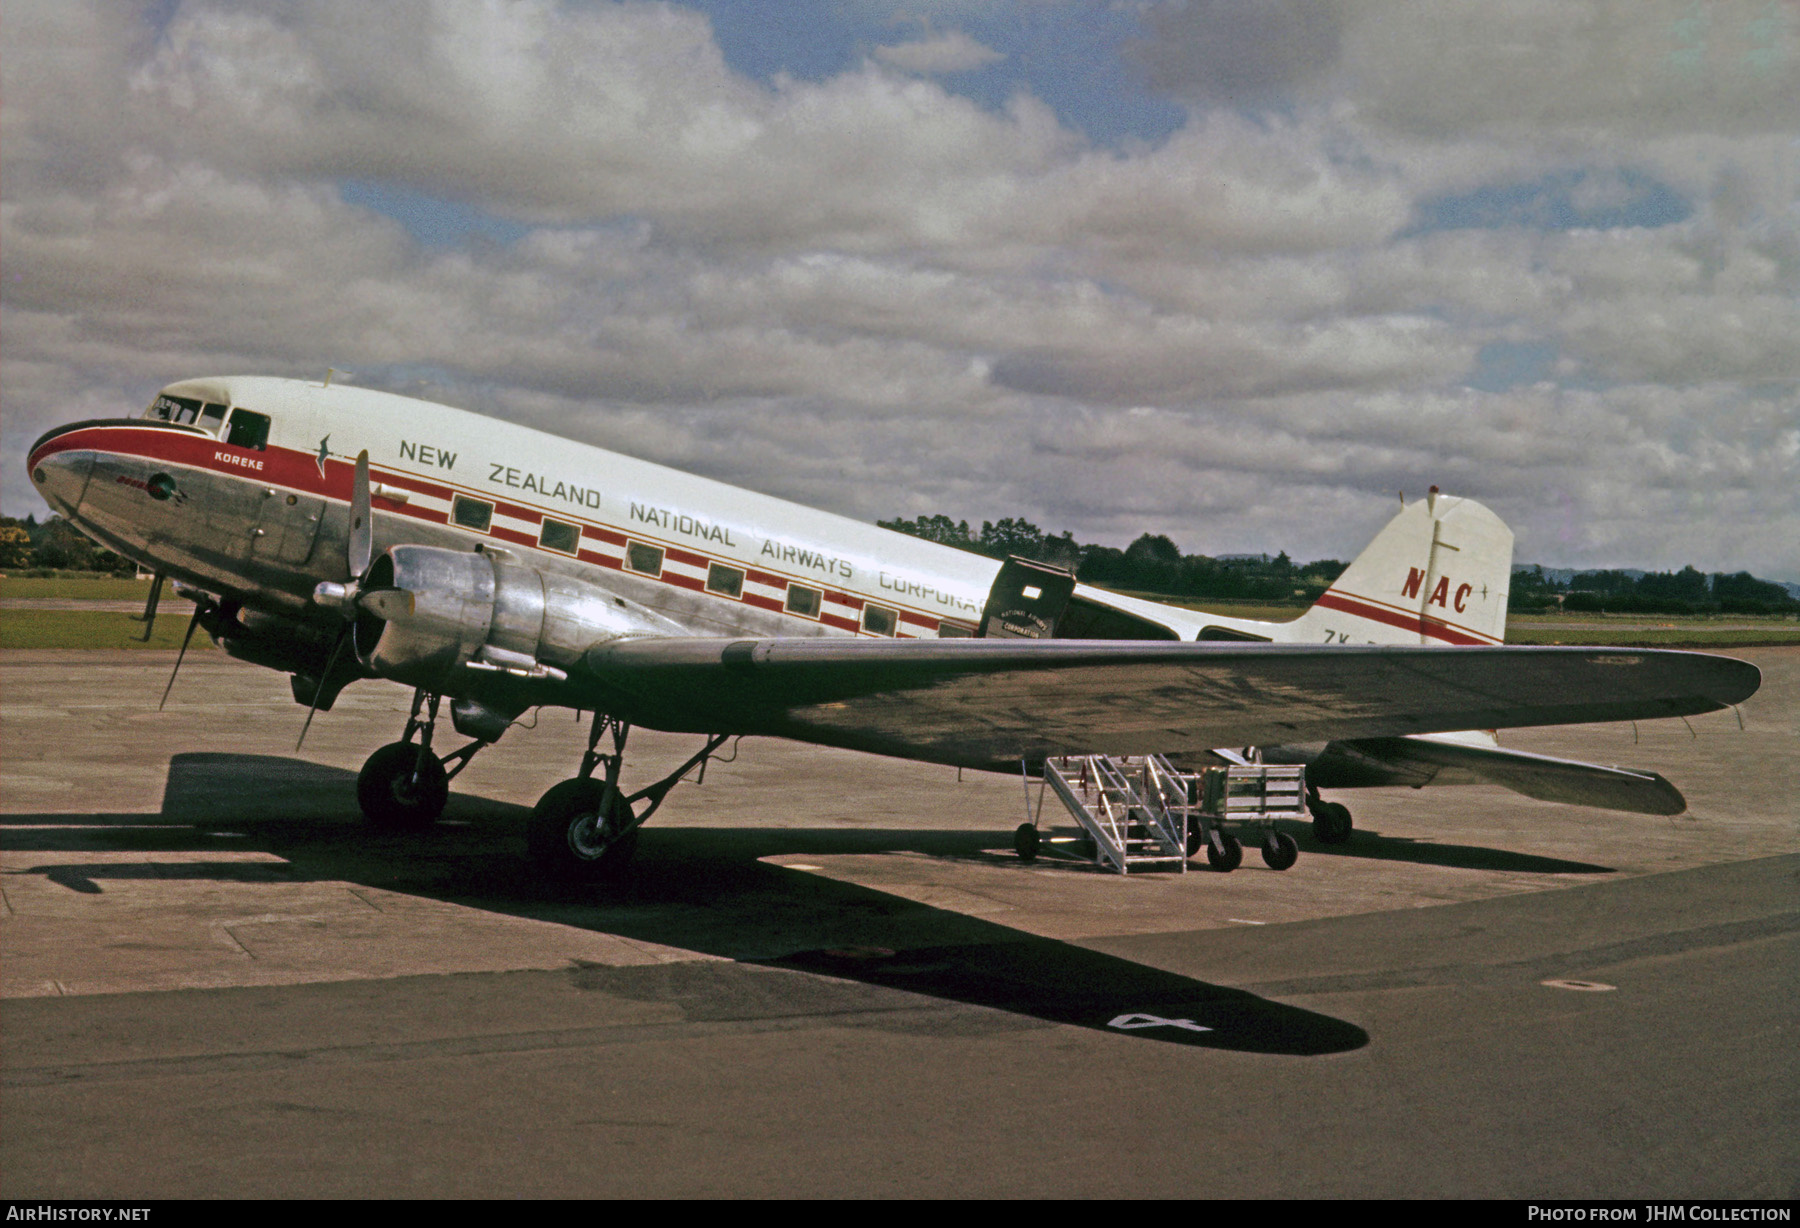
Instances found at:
x=1025 y=841
x=568 y=833
x=1279 y=851
x=1196 y=839
x=1331 y=823
x=402 y=788
x=1223 y=852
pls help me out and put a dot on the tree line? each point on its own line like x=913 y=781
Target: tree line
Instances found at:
x=1688 y=591
x=54 y=545
x=1151 y=564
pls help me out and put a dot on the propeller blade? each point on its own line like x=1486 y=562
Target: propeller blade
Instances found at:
x=182 y=655
x=387 y=603
x=362 y=529
x=319 y=691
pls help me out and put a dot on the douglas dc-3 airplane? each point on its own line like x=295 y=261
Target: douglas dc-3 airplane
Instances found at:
x=338 y=533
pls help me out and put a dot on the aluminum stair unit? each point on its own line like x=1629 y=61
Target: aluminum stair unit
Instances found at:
x=1121 y=804
x=1142 y=812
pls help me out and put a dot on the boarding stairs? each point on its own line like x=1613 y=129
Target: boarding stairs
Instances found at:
x=1139 y=812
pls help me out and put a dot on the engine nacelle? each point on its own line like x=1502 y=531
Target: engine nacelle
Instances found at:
x=424 y=613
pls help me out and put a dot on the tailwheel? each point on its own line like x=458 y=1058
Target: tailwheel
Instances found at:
x=1331 y=823
x=1025 y=842
x=1223 y=852
x=573 y=833
x=403 y=785
x=1279 y=851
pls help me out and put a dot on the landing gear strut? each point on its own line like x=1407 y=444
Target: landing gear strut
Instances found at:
x=585 y=830
x=1331 y=820
x=404 y=785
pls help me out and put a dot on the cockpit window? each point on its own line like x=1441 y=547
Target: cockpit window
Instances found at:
x=248 y=430
x=173 y=409
x=211 y=415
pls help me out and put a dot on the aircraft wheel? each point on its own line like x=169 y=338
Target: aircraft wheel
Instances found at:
x=569 y=835
x=1280 y=851
x=1025 y=840
x=1223 y=852
x=400 y=787
x=1331 y=823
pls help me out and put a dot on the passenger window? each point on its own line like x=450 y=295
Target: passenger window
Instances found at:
x=879 y=620
x=725 y=581
x=803 y=601
x=954 y=631
x=212 y=415
x=559 y=536
x=470 y=513
x=647 y=559
x=248 y=430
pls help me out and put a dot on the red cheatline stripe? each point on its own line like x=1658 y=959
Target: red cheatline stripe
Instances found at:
x=686 y=556
x=766 y=603
x=519 y=511
x=669 y=577
x=407 y=481
x=919 y=620
x=421 y=513
x=1422 y=626
x=842 y=624
x=766 y=577
x=507 y=535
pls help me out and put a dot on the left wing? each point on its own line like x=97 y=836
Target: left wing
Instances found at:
x=1431 y=760
x=990 y=703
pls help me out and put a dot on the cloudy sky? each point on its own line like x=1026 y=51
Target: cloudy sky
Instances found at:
x=1232 y=270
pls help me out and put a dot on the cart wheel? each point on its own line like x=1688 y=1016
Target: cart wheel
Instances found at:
x=1223 y=852
x=1196 y=839
x=1280 y=851
x=1025 y=840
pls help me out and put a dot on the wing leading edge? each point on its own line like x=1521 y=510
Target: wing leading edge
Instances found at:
x=990 y=703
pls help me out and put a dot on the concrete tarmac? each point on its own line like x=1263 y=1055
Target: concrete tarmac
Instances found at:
x=828 y=975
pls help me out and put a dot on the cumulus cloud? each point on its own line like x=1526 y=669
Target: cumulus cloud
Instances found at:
x=953 y=51
x=870 y=292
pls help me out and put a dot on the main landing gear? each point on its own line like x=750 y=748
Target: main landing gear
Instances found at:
x=404 y=785
x=1331 y=820
x=584 y=830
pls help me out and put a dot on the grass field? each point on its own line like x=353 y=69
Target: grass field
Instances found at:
x=75 y=588
x=80 y=629
x=1654 y=631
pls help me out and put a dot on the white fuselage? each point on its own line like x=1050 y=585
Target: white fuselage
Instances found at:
x=711 y=557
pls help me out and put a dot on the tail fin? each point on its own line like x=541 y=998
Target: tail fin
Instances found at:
x=1437 y=574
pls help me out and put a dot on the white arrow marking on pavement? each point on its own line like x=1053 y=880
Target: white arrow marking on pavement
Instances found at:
x=1133 y=1022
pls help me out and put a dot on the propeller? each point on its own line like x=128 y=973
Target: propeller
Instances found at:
x=359 y=555
x=200 y=608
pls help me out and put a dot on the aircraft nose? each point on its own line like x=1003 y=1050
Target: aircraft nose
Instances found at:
x=61 y=477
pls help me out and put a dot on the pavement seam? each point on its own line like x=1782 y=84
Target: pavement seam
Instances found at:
x=420 y=1050
x=1725 y=934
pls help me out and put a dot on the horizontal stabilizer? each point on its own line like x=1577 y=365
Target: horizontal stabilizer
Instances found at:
x=989 y=702
x=1427 y=760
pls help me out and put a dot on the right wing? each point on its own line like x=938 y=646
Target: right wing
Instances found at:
x=993 y=702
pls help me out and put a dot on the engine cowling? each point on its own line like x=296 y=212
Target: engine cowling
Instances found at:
x=424 y=613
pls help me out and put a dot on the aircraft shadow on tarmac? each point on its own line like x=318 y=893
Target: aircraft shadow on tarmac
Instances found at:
x=701 y=889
